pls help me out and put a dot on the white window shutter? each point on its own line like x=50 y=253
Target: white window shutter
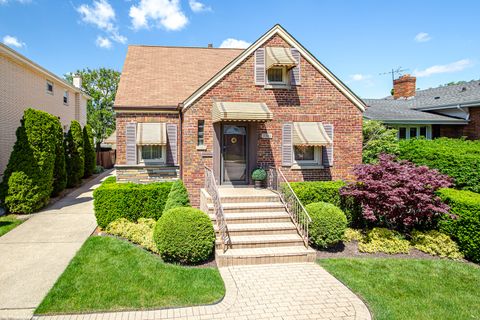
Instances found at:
x=131 y=143
x=295 y=78
x=327 y=151
x=287 y=144
x=172 y=149
x=259 y=68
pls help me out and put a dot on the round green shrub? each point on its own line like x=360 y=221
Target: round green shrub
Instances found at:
x=259 y=174
x=177 y=197
x=328 y=224
x=184 y=235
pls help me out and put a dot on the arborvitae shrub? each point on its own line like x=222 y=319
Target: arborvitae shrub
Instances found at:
x=88 y=147
x=178 y=196
x=60 y=167
x=28 y=178
x=74 y=154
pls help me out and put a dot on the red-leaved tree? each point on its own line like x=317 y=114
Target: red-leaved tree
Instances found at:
x=398 y=194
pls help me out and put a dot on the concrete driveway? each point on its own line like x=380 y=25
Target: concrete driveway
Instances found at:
x=34 y=255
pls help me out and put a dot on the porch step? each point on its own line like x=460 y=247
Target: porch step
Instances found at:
x=254 y=217
x=239 y=207
x=262 y=241
x=236 y=195
x=264 y=255
x=245 y=229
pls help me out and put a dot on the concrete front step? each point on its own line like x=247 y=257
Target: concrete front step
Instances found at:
x=262 y=241
x=269 y=255
x=237 y=195
x=255 y=217
x=250 y=207
x=246 y=229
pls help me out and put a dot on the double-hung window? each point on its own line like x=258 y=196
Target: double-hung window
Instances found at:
x=151 y=154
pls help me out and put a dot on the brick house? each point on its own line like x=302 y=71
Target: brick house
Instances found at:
x=179 y=109
x=447 y=111
x=25 y=84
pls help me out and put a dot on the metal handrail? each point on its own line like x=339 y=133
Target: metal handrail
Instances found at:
x=295 y=209
x=212 y=189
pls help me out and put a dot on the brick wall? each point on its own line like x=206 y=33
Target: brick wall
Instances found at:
x=470 y=131
x=315 y=100
x=404 y=87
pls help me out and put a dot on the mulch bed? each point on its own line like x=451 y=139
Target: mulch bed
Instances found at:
x=350 y=250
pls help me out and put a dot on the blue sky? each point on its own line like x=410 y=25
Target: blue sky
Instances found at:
x=438 y=41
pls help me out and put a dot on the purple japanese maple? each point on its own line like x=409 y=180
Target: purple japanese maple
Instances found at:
x=397 y=193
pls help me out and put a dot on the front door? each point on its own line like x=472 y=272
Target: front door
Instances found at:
x=234 y=155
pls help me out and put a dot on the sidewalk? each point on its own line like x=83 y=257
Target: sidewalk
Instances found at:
x=34 y=255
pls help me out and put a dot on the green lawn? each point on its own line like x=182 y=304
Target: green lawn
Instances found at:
x=412 y=289
x=7 y=223
x=111 y=274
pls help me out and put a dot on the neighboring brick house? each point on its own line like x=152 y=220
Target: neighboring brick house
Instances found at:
x=25 y=84
x=273 y=104
x=447 y=111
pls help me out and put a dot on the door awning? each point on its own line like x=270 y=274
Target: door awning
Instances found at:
x=151 y=134
x=310 y=134
x=279 y=57
x=241 y=111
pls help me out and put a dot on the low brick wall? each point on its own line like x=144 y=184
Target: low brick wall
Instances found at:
x=142 y=174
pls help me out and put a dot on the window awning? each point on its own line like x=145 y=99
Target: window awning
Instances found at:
x=279 y=57
x=310 y=134
x=151 y=134
x=241 y=111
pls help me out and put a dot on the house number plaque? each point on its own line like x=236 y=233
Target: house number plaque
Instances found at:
x=266 y=135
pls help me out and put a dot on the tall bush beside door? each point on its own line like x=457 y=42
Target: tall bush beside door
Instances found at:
x=88 y=147
x=74 y=154
x=60 y=167
x=28 y=178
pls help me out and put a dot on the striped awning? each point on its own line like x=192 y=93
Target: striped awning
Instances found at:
x=310 y=134
x=279 y=57
x=241 y=111
x=151 y=134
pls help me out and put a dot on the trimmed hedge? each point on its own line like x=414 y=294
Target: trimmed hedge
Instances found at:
x=90 y=155
x=184 y=235
x=131 y=201
x=465 y=229
x=74 y=154
x=60 y=167
x=178 y=196
x=328 y=191
x=328 y=224
x=458 y=158
x=28 y=178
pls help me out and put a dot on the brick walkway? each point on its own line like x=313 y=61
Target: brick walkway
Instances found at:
x=279 y=291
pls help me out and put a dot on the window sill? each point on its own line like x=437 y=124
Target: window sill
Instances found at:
x=277 y=86
x=306 y=166
x=202 y=148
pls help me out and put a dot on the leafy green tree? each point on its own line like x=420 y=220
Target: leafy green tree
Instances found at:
x=74 y=154
x=101 y=85
x=377 y=139
x=90 y=156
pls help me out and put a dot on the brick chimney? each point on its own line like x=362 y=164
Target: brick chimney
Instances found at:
x=77 y=81
x=404 y=87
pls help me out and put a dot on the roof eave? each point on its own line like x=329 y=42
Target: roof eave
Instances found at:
x=389 y=121
x=451 y=105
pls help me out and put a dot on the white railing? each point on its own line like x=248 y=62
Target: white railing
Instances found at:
x=212 y=189
x=277 y=182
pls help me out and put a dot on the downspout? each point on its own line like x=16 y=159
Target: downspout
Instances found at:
x=180 y=126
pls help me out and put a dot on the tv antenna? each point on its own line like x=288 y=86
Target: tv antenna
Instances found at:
x=397 y=71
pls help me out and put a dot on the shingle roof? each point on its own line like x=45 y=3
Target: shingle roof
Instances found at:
x=166 y=76
x=413 y=109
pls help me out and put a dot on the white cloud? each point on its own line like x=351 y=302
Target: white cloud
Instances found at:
x=445 y=68
x=197 y=6
x=422 y=37
x=359 y=77
x=13 y=42
x=234 y=43
x=103 y=42
x=102 y=15
x=162 y=13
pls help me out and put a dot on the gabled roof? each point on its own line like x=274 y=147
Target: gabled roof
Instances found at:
x=277 y=30
x=434 y=99
x=154 y=76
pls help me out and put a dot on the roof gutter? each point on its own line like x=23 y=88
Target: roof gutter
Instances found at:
x=449 y=106
x=457 y=122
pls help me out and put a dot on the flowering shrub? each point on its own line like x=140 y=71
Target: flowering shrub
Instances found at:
x=398 y=194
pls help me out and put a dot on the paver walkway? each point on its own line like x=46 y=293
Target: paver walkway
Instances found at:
x=277 y=291
x=34 y=255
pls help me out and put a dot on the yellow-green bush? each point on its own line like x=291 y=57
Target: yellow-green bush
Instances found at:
x=140 y=233
x=384 y=240
x=436 y=243
x=352 y=235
